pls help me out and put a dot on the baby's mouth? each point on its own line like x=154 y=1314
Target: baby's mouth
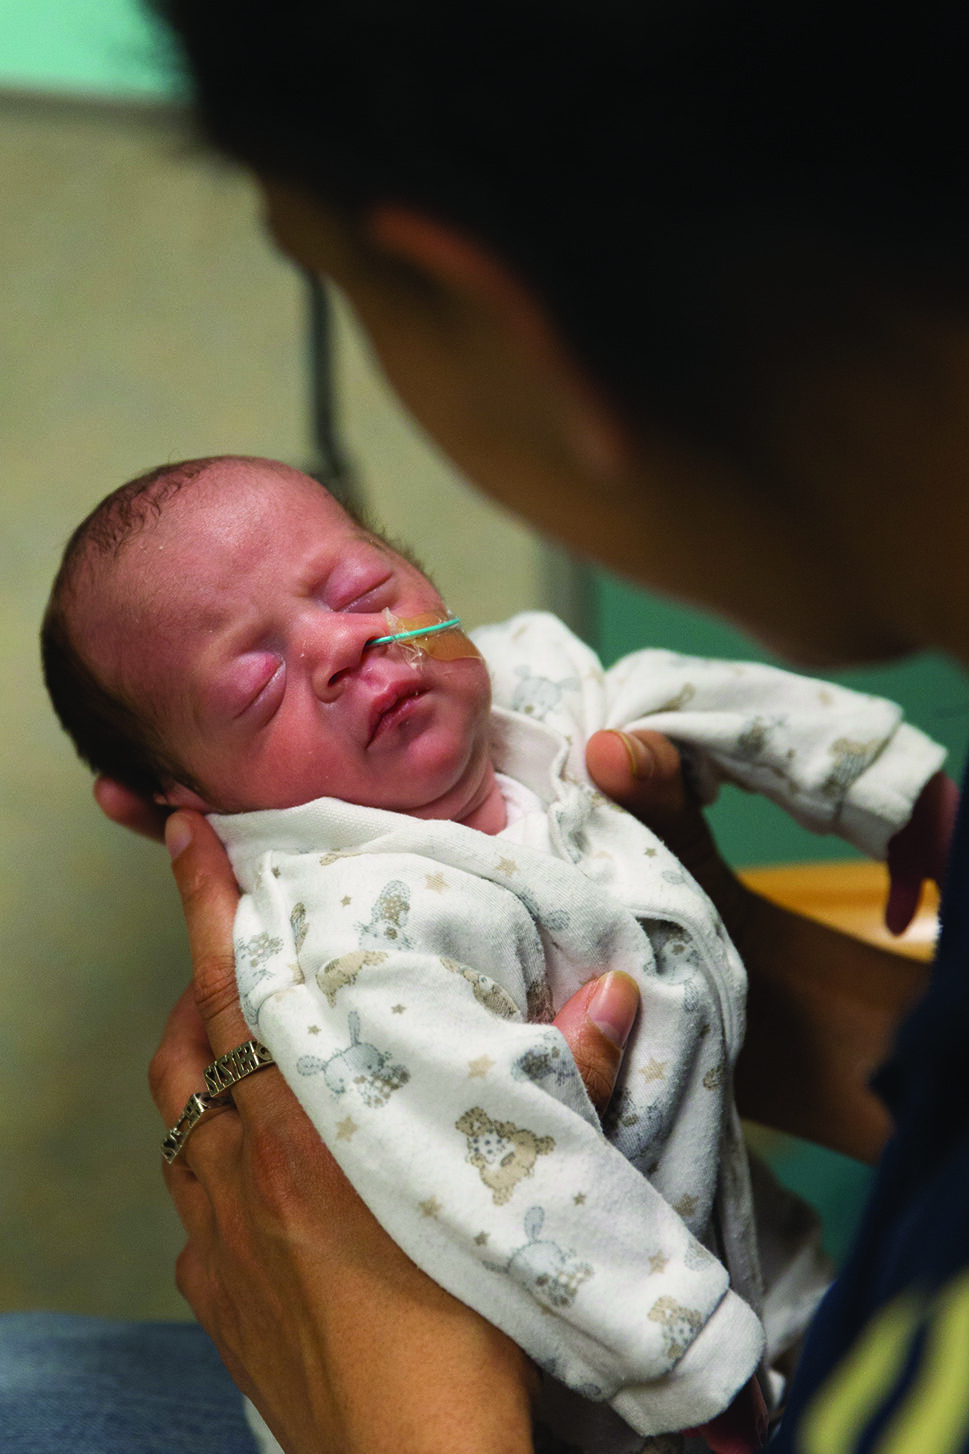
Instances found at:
x=390 y=707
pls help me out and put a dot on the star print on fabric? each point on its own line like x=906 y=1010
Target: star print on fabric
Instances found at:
x=397 y=1009
x=436 y=882
x=657 y=1263
x=579 y=1198
x=649 y=852
x=312 y=1029
x=346 y=900
x=346 y=1128
x=685 y=1207
x=275 y=873
x=507 y=866
x=431 y=1207
x=482 y=1239
x=654 y=1070
x=479 y=1067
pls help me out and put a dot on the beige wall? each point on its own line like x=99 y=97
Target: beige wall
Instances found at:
x=143 y=316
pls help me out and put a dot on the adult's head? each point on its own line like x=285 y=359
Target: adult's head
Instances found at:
x=208 y=644
x=605 y=244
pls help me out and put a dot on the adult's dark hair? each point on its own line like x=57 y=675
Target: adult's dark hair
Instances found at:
x=690 y=185
x=110 y=735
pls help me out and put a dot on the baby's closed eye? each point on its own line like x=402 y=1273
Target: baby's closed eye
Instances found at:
x=256 y=684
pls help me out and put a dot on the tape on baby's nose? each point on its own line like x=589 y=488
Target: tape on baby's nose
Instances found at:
x=428 y=635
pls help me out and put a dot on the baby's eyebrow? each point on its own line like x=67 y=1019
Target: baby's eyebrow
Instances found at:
x=367 y=537
x=398 y=550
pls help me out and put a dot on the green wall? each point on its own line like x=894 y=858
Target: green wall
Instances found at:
x=105 y=47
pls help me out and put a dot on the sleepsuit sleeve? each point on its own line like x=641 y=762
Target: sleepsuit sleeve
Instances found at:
x=839 y=761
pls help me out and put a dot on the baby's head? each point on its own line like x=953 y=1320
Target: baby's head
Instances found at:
x=207 y=643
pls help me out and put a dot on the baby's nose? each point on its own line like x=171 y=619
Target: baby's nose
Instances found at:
x=338 y=646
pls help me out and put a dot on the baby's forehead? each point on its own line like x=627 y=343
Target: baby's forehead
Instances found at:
x=115 y=611
x=176 y=570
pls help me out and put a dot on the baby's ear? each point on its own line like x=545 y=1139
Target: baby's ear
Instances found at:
x=129 y=809
x=176 y=795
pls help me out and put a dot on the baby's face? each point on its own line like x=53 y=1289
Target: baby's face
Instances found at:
x=242 y=616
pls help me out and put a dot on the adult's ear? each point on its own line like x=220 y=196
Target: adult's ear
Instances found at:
x=479 y=290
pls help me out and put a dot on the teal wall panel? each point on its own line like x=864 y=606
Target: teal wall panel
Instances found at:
x=105 y=47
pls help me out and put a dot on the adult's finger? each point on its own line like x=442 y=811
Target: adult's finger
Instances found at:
x=642 y=771
x=596 y=1023
x=210 y=897
x=178 y=1065
x=184 y=1051
x=128 y=810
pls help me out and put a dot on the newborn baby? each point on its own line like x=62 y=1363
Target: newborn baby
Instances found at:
x=427 y=876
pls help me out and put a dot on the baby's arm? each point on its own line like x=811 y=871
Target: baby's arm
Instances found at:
x=837 y=760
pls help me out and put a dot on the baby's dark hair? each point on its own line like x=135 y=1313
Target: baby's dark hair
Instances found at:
x=110 y=734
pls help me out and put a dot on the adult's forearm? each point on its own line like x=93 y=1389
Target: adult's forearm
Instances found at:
x=823 y=1010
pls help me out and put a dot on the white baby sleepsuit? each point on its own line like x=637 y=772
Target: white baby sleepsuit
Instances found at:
x=404 y=971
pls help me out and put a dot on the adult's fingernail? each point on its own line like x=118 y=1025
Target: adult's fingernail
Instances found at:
x=640 y=757
x=178 y=835
x=614 y=1006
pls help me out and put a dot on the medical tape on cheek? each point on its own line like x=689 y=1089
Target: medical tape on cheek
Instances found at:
x=429 y=635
